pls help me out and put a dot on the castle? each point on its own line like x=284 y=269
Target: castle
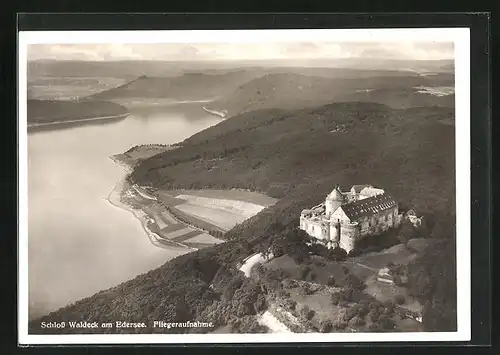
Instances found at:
x=346 y=217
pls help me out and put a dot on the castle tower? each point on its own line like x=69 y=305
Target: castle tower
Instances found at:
x=348 y=236
x=333 y=201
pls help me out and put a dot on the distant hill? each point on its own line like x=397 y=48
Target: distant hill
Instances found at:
x=292 y=90
x=48 y=111
x=189 y=86
x=131 y=69
x=297 y=156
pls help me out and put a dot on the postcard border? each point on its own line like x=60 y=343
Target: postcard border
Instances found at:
x=461 y=38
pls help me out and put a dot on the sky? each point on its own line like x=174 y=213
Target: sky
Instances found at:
x=243 y=51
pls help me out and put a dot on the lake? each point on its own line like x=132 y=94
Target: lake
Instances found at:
x=80 y=244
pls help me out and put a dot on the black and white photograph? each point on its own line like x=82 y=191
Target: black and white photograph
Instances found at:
x=244 y=186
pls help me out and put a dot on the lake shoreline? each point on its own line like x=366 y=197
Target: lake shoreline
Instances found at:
x=91 y=119
x=115 y=198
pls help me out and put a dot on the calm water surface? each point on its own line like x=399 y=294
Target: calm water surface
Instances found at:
x=79 y=243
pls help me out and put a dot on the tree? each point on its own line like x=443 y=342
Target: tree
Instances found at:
x=325 y=326
x=400 y=299
x=407 y=232
x=386 y=323
x=331 y=281
x=357 y=321
x=307 y=313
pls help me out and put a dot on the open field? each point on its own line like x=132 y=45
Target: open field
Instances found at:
x=216 y=216
x=233 y=194
x=213 y=209
x=69 y=87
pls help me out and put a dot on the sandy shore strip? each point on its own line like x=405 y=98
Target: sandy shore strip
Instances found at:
x=153 y=215
x=114 y=198
x=34 y=125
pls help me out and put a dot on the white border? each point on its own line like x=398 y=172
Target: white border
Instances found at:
x=461 y=39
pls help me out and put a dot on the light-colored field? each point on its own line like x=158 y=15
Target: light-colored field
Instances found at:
x=245 y=209
x=159 y=221
x=218 y=217
x=233 y=194
x=168 y=218
x=69 y=87
x=223 y=213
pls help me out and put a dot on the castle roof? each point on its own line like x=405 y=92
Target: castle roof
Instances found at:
x=358 y=188
x=368 y=206
x=336 y=195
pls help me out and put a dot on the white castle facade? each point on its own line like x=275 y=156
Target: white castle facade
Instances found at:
x=347 y=217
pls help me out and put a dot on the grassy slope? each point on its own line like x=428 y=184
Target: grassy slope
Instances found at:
x=45 y=111
x=293 y=90
x=288 y=155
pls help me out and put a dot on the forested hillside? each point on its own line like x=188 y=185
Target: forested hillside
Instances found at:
x=292 y=91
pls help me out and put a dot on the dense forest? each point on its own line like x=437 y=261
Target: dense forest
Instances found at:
x=296 y=156
x=46 y=111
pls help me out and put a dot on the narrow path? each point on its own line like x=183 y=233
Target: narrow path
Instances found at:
x=362 y=265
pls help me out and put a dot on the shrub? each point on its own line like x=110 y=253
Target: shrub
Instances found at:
x=289 y=283
x=400 y=299
x=340 y=325
x=389 y=308
x=386 y=323
x=337 y=254
x=289 y=304
x=374 y=316
x=363 y=310
x=303 y=271
x=307 y=289
x=357 y=321
x=307 y=313
x=354 y=282
x=311 y=276
x=335 y=298
x=325 y=326
x=331 y=281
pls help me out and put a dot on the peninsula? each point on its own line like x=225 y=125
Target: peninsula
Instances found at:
x=53 y=112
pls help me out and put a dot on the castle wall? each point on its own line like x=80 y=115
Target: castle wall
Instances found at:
x=315 y=228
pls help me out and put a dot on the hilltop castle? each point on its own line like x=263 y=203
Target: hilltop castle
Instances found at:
x=346 y=217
